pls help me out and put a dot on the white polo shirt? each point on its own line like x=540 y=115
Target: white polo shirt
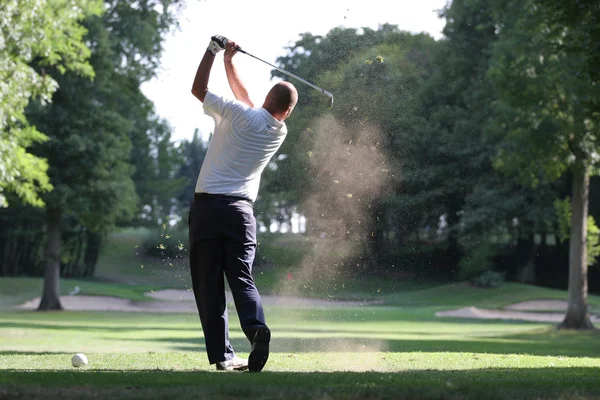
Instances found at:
x=244 y=141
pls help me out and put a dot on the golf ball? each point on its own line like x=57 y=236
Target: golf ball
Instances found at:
x=79 y=360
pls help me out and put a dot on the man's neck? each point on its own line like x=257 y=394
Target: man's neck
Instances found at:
x=277 y=115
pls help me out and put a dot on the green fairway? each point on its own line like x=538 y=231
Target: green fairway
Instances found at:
x=386 y=329
x=325 y=352
x=342 y=376
x=398 y=349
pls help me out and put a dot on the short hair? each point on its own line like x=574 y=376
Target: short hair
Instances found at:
x=284 y=95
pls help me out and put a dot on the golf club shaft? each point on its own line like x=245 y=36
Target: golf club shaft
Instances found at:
x=292 y=75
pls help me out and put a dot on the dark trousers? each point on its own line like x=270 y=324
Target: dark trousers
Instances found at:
x=222 y=233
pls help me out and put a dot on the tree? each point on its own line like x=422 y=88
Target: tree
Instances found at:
x=156 y=161
x=35 y=35
x=315 y=58
x=448 y=155
x=448 y=167
x=546 y=68
x=191 y=154
x=89 y=124
x=376 y=76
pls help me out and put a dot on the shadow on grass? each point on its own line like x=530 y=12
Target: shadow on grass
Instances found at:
x=194 y=328
x=489 y=383
x=543 y=341
x=503 y=345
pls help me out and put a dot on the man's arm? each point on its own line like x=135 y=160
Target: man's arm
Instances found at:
x=239 y=90
x=200 y=86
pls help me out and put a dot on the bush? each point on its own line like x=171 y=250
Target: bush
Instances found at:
x=490 y=279
x=477 y=260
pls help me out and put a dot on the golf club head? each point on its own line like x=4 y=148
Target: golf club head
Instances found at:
x=330 y=103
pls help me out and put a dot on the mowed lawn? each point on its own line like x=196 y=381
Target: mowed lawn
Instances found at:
x=396 y=350
x=358 y=352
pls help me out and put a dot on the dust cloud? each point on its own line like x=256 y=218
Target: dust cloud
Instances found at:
x=348 y=171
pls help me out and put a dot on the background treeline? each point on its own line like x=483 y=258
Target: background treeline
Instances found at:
x=486 y=133
x=110 y=159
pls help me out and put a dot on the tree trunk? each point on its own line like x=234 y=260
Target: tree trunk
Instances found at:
x=51 y=294
x=92 y=252
x=577 y=312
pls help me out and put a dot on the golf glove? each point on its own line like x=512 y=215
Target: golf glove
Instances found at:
x=217 y=43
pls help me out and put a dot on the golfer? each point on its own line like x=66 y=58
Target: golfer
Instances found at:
x=222 y=227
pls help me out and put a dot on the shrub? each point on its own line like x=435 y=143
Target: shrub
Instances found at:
x=490 y=279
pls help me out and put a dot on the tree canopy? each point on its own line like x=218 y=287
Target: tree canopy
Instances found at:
x=35 y=35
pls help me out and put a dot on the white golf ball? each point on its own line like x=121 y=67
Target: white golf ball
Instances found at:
x=79 y=360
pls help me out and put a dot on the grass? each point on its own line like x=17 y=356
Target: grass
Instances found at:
x=122 y=260
x=331 y=352
x=535 y=381
x=462 y=294
x=439 y=375
x=330 y=329
x=396 y=350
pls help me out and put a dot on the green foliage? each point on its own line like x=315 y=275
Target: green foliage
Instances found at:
x=478 y=259
x=593 y=241
x=490 y=279
x=337 y=61
x=191 y=156
x=92 y=124
x=398 y=64
x=35 y=35
x=546 y=72
x=157 y=163
x=563 y=216
x=562 y=209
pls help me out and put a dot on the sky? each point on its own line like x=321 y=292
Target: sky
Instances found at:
x=263 y=28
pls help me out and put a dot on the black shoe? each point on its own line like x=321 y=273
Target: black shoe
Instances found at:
x=260 y=350
x=235 y=364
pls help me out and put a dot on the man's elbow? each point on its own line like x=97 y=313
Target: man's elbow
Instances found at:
x=200 y=94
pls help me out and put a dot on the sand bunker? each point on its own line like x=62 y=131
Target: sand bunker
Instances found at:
x=514 y=312
x=174 y=301
x=182 y=301
x=104 y=303
x=539 y=305
x=268 y=300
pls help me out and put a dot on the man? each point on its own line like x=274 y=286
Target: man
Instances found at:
x=222 y=227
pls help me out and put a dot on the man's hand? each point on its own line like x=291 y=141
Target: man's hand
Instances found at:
x=231 y=50
x=217 y=43
x=200 y=85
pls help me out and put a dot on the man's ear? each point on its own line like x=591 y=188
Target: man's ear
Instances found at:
x=289 y=111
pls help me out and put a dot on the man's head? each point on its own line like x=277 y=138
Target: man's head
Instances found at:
x=280 y=100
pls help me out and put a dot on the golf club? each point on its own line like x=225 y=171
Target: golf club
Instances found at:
x=325 y=92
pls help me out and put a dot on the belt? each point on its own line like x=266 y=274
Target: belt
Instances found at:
x=223 y=197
